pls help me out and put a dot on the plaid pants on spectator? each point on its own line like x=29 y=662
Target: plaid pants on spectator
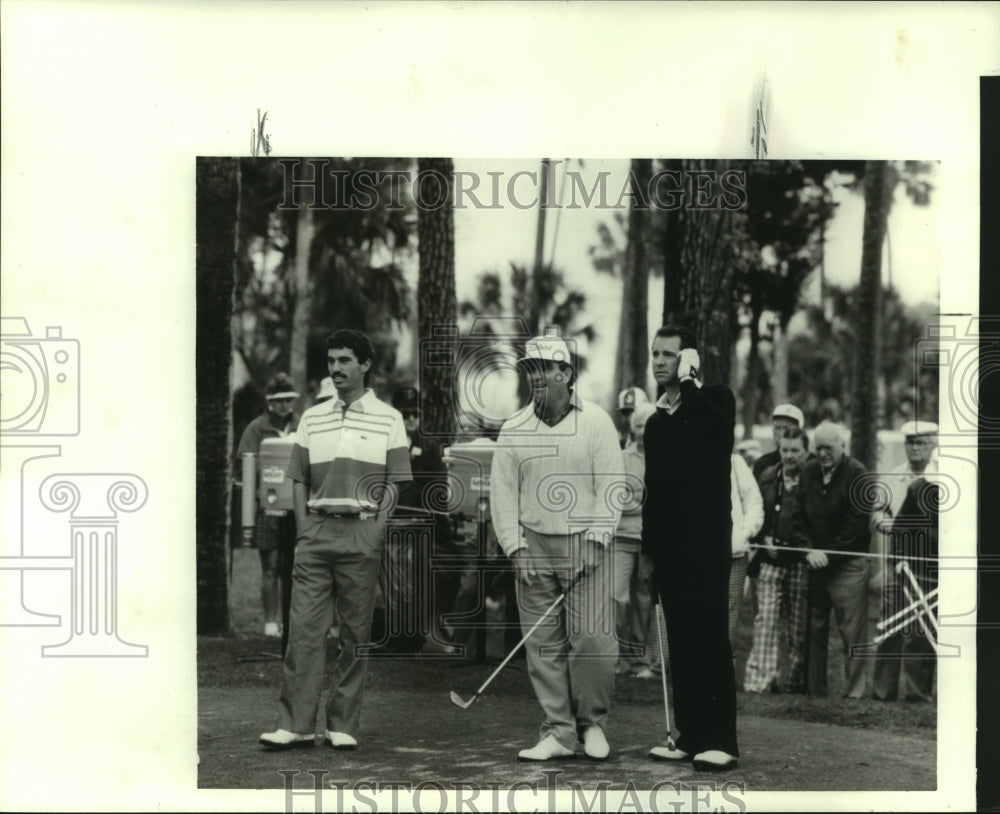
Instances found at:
x=781 y=600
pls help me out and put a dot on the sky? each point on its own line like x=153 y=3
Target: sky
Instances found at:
x=489 y=239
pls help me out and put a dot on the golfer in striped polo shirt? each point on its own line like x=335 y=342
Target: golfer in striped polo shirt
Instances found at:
x=348 y=454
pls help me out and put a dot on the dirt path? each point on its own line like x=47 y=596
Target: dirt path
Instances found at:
x=418 y=736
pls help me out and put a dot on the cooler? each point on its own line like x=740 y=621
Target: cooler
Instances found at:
x=470 y=464
x=274 y=488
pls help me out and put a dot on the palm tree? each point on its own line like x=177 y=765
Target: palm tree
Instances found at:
x=436 y=300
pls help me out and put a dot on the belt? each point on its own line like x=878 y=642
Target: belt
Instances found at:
x=341 y=516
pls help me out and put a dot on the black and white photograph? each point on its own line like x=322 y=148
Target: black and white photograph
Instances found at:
x=492 y=406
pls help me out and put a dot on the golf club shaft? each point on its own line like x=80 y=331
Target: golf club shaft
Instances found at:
x=534 y=627
x=663 y=667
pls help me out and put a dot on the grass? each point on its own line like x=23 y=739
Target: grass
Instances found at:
x=238 y=661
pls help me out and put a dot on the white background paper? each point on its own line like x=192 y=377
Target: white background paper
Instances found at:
x=104 y=109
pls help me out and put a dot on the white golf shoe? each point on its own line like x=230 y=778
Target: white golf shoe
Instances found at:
x=714 y=760
x=548 y=748
x=283 y=739
x=595 y=745
x=340 y=740
x=666 y=753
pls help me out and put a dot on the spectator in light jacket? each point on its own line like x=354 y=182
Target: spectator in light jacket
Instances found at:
x=748 y=517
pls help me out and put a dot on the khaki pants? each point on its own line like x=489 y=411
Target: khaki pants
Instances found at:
x=338 y=556
x=572 y=655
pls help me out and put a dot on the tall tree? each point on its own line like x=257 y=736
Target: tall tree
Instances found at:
x=217 y=215
x=436 y=301
x=633 y=328
x=880 y=181
x=304 y=231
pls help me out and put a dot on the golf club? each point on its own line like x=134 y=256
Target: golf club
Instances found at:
x=663 y=674
x=456 y=699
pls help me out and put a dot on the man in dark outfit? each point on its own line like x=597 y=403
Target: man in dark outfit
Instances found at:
x=687 y=530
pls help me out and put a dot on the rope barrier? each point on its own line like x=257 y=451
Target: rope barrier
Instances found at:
x=781 y=548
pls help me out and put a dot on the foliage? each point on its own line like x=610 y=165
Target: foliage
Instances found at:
x=355 y=265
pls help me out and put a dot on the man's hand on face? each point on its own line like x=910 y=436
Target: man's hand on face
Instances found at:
x=688 y=364
x=816 y=559
x=523 y=566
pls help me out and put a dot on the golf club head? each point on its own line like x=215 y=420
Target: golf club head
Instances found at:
x=456 y=699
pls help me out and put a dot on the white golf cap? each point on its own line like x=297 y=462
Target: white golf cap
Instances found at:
x=632 y=397
x=789 y=411
x=546 y=348
x=912 y=428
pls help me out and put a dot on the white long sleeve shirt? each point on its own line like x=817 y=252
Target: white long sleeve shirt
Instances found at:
x=748 y=505
x=565 y=479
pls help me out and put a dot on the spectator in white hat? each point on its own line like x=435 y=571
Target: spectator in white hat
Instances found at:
x=920 y=443
x=557 y=461
x=628 y=400
x=783 y=417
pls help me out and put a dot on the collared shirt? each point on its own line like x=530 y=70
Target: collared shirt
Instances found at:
x=556 y=480
x=900 y=479
x=346 y=455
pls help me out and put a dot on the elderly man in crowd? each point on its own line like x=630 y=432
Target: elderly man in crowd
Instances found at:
x=910 y=526
x=830 y=518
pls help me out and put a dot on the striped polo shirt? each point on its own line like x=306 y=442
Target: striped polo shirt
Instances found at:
x=344 y=457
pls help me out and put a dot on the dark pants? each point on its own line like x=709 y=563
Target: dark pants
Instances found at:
x=693 y=584
x=907 y=651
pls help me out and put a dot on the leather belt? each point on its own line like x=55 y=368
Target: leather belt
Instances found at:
x=342 y=516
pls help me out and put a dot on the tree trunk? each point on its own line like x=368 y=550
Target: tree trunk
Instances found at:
x=633 y=329
x=535 y=300
x=217 y=215
x=779 y=381
x=750 y=395
x=880 y=180
x=436 y=303
x=297 y=355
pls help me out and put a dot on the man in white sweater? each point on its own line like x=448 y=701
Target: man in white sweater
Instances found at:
x=556 y=490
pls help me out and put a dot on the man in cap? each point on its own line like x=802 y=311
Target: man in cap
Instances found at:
x=908 y=648
x=555 y=471
x=349 y=456
x=783 y=417
x=628 y=400
x=274 y=534
x=830 y=516
x=687 y=531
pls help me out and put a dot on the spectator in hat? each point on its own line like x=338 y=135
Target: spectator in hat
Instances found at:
x=628 y=400
x=274 y=535
x=633 y=597
x=909 y=526
x=781 y=578
x=557 y=461
x=830 y=517
x=783 y=417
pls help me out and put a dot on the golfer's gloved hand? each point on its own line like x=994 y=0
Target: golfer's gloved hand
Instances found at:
x=688 y=364
x=524 y=569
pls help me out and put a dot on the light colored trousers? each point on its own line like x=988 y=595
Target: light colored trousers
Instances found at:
x=633 y=605
x=338 y=557
x=571 y=657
